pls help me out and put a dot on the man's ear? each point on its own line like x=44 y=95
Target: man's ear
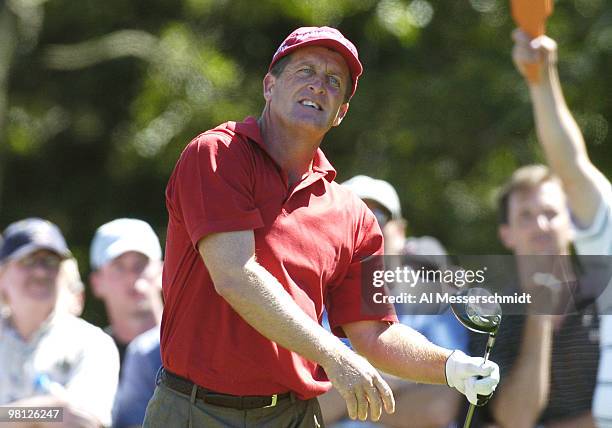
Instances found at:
x=3 y=297
x=341 y=113
x=96 y=284
x=268 y=83
x=505 y=235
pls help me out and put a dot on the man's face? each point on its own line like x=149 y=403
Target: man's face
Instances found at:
x=130 y=284
x=310 y=90
x=31 y=282
x=538 y=221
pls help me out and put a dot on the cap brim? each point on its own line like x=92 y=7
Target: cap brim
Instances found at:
x=28 y=249
x=121 y=247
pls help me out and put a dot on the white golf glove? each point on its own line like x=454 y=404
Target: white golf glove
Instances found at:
x=462 y=372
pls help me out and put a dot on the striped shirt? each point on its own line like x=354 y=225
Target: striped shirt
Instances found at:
x=574 y=361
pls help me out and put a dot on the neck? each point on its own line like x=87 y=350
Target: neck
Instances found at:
x=27 y=322
x=291 y=148
x=127 y=327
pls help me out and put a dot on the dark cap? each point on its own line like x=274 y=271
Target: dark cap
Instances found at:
x=322 y=36
x=29 y=235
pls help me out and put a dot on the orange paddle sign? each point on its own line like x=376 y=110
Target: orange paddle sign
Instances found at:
x=530 y=16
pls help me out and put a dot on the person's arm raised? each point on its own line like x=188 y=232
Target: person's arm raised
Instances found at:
x=264 y=304
x=557 y=130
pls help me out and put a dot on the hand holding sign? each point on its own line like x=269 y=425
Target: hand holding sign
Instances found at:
x=530 y=16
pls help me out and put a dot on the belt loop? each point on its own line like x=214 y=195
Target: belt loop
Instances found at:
x=158 y=375
x=192 y=399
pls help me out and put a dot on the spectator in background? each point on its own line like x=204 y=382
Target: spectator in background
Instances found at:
x=588 y=191
x=417 y=405
x=125 y=258
x=48 y=357
x=543 y=380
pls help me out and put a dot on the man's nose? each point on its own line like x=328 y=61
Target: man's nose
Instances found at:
x=542 y=222
x=141 y=284
x=317 y=84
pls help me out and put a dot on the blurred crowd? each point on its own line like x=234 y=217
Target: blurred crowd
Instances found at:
x=556 y=369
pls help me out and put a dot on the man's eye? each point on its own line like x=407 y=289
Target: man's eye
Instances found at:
x=550 y=214
x=306 y=70
x=334 y=81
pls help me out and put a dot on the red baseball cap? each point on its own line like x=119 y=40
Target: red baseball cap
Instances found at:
x=322 y=36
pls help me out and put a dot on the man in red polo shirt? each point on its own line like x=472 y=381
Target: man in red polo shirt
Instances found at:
x=260 y=240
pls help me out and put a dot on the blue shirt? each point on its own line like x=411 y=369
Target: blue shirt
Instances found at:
x=142 y=360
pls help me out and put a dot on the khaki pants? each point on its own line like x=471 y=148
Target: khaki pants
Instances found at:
x=169 y=408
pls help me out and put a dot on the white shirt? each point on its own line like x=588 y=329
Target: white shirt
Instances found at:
x=597 y=240
x=79 y=359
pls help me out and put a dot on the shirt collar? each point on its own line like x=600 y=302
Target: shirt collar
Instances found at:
x=5 y=323
x=250 y=129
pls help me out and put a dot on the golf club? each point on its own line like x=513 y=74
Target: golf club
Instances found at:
x=482 y=318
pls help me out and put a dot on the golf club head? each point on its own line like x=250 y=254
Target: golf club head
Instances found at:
x=475 y=315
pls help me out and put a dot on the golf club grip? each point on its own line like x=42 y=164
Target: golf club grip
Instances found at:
x=484 y=399
x=481 y=401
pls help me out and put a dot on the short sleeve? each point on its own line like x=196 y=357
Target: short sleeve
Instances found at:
x=211 y=188
x=596 y=239
x=346 y=301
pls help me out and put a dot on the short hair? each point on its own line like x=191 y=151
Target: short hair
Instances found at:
x=279 y=66
x=523 y=179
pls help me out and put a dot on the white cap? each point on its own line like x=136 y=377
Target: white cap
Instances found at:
x=120 y=236
x=376 y=190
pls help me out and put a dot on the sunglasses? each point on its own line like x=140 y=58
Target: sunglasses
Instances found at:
x=45 y=261
x=381 y=216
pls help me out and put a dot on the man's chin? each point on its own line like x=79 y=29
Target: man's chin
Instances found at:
x=547 y=250
x=142 y=309
x=312 y=123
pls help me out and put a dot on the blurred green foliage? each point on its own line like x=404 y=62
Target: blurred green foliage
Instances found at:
x=99 y=98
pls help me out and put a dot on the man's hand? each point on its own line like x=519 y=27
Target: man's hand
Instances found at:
x=542 y=50
x=360 y=385
x=462 y=372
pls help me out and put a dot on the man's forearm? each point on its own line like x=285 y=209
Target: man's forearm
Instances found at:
x=523 y=394
x=436 y=406
x=263 y=303
x=585 y=420
x=564 y=146
x=557 y=130
x=403 y=352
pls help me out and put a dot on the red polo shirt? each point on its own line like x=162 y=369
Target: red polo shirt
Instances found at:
x=312 y=237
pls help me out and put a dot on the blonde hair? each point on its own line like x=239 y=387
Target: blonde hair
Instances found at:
x=70 y=288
